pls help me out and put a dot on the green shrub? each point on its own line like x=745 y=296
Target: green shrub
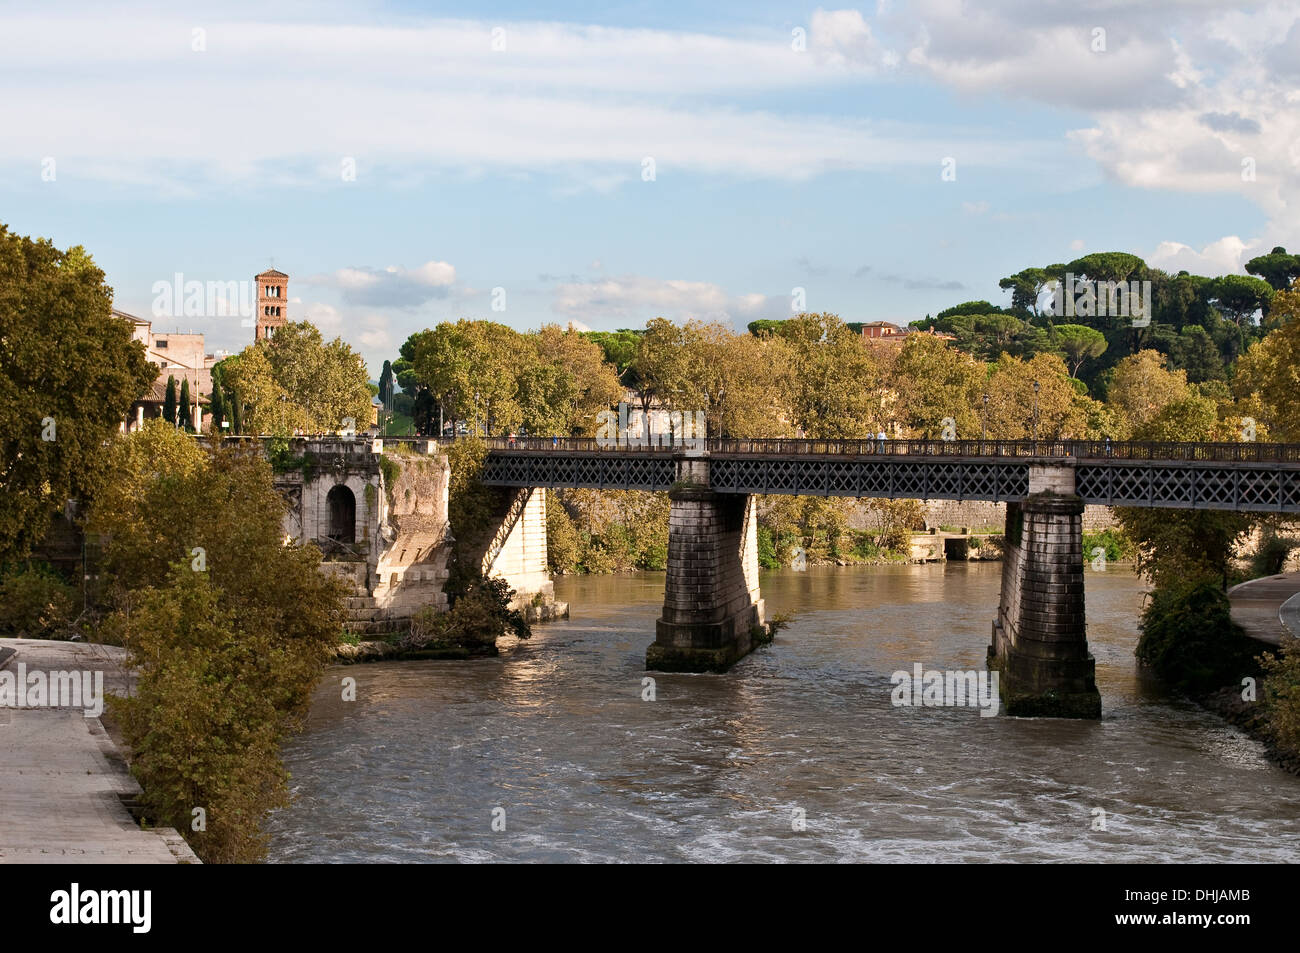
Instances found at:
x=479 y=614
x=767 y=555
x=1281 y=695
x=391 y=470
x=1116 y=545
x=35 y=603
x=1271 y=556
x=864 y=547
x=562 y=543
x=1190 y=640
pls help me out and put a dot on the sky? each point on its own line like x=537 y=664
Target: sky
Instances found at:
x=409 y=163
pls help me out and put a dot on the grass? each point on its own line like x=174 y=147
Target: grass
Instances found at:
x=399 y=426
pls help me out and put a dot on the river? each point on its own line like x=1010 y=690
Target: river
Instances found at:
x=554 y=742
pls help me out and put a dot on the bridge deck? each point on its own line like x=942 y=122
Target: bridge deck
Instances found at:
x=1241 y=477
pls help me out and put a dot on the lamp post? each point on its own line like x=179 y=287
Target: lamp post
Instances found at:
x=1035 y=415
x=984 y=422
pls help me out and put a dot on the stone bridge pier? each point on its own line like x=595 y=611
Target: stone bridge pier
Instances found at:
x=1039 y=644
x=713 y=611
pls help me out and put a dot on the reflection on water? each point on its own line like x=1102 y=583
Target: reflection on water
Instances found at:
x=556 y=733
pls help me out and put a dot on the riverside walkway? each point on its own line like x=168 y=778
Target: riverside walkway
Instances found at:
x=64 y=780
x=1268 y=607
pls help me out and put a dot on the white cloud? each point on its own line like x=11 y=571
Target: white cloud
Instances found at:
x=639 y=298
x=393 y=286
x=1225 y=256
x=325 y=316
x=123 y=97
x=842 y=38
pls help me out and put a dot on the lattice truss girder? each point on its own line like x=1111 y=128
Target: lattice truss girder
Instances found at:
x=623 y=471
x=937 y=479
x=1203 y=486
x=1188 y=485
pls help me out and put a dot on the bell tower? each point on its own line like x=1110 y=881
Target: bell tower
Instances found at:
x=272 y=303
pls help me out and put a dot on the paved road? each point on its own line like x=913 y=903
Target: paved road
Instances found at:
x=1269 y=607
x=63 y=778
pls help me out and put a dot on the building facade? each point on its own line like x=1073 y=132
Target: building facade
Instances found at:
x=178 y=354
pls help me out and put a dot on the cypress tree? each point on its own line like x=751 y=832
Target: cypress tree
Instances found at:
x=216 y=407
x=169 y=401
x=236 y=412
x=185 y=418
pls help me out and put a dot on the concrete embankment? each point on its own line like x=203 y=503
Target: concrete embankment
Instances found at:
x=1268 y=608
x=64 y=783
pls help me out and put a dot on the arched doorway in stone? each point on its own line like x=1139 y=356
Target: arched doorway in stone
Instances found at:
x=343 y=514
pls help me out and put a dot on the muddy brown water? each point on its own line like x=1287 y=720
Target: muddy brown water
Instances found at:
x=550 y=752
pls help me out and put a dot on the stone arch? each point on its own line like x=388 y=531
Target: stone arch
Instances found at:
x=342 y=504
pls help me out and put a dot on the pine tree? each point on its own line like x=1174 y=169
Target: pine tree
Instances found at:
x=185 y=417
x=169 y=401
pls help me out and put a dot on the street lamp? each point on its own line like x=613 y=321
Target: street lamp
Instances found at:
x=984 y=422
x=1035 y=413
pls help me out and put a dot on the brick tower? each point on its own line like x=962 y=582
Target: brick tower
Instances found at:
x=272 y=304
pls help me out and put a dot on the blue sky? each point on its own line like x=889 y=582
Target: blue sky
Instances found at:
x=211 y=140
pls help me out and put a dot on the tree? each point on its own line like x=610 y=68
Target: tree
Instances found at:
x=1026 y=287
x=236 y=412
x=765 y=326
x=737 y=380
x=228 y=628
x=217 y=406
x=1106 y=266
x=968 y=307
x=1174 y=548
x=185 y=417
x=1270 y=370
x=386 y=380
x=661 y=368
x=836 y=383
x=169 y=401
x=935 y=381
x=988 y=336
x=1062 y=412
x=69 y=372
x=582 y=382
x=619 y=348
x=1239 y=296
x=1141 y=386
x=327 y=382
x=263 y=404
x=1194 y=351
x=472 y=370
x=1277 y=268
x=1079 y=343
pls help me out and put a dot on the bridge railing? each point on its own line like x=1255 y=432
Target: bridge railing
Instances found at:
x=1225 y=452
x=1083 y=449
x=786 y=446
